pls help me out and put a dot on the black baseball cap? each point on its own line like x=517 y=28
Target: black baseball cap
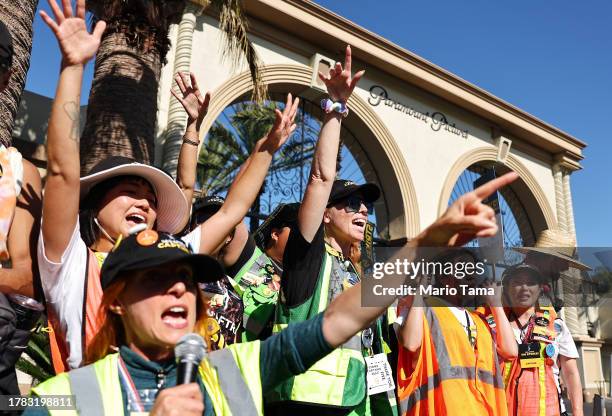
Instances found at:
x=343 y=188
x=6 y=46
x=149 y=249
x=209 y=201
x=284 y=215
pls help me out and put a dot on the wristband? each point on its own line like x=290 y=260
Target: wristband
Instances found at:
x=339 y=107
x=191 y=142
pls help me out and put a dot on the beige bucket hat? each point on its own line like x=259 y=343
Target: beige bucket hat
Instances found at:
x=556 y=243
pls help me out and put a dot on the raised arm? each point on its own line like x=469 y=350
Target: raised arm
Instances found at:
x=245 y=189
x=466 y=219
x=339 y=85
x=504 y=336
x=23 y=236
x=410 y=335
x=196 y=107
x=61 y=202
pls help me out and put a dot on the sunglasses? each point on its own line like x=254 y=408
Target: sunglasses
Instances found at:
x=353 y=204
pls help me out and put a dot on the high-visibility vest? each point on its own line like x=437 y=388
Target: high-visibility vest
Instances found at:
x=230 y=376
x=533 y=391
x=450 y=376
x=91 y=321
x=338 y=379
x=255 y=283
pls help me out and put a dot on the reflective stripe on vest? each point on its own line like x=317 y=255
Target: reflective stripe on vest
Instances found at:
x=337 y=379
x=221 y=374
x=435 y=370
x=87 y=392
x=107 y=379
x=232 y=383
x=532 y=390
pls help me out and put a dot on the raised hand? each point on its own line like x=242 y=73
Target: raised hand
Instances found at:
x=339 y=83
x=467 y=218
x=76 y=43
x=192 y=100
x=283 y=126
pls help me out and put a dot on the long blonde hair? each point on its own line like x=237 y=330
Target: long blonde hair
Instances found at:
x=112 y=334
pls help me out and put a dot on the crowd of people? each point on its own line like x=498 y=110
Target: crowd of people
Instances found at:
x=129 y=263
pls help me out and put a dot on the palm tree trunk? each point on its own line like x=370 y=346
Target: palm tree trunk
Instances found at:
x=18 y=17
x=122 y=105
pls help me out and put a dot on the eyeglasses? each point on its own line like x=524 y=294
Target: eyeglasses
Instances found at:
x=353 y=204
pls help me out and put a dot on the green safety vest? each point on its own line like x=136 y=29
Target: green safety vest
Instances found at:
x=230 y=376
x=338 y=379
x=255 y=284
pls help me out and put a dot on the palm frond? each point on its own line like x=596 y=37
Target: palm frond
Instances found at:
x=234 y=26
x=37 y=364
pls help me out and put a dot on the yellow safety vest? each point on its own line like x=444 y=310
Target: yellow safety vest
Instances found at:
x=230 y=376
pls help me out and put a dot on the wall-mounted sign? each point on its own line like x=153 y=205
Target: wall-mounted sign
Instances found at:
x=436 y=120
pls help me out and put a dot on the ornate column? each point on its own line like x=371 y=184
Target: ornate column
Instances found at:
x=569 y=209
x=177 y=118
x=560 y=197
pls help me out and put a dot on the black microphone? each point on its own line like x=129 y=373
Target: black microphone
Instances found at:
x=189 y=352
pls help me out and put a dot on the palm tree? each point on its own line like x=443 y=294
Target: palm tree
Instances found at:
x=18 y=17
x=122 y=107
x=229 y=144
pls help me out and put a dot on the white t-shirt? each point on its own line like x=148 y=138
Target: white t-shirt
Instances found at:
x=564 y=345
x=63 y=286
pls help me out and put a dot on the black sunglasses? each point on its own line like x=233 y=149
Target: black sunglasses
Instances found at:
x=353 y=204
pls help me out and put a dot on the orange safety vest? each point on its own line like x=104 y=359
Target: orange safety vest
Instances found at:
x=92 y=298
x=450 y=376
x=533 y=391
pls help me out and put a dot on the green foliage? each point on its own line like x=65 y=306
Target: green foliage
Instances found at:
x=229 y=145
x=39 y=365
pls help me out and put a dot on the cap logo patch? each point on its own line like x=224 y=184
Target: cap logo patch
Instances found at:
x=348 y=183
x=171 y=243
x=147 y=237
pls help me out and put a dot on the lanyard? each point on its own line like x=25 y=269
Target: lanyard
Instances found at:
x=471 y=338
x=130 y=388
x=527 y=329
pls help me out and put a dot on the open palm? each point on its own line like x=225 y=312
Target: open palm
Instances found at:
x=284 y=124
x=340 y=83
x=76 y=43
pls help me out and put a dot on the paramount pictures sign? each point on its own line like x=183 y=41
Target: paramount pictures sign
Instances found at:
x=436 y=120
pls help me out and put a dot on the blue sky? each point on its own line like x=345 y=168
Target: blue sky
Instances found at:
x=553 y=62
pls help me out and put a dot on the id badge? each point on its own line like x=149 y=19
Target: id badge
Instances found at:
x=529 y=355
x=378 y=375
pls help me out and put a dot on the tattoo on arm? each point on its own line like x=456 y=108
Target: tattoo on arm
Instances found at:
x=72 y=111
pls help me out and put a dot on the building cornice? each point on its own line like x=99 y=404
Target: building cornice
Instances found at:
x=329 y=31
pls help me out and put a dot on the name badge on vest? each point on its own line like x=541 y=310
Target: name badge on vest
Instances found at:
x=379 y=378
x=529 y=355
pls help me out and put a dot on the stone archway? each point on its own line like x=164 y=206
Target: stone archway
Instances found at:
x=398 y=215
x=533 y=197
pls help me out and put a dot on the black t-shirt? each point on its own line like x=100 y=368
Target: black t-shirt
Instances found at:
x=302 y=262
x=245 y=255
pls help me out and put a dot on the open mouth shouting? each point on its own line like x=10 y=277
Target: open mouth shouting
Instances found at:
x=135 y=219
x=175 y=317
x=359 y=223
